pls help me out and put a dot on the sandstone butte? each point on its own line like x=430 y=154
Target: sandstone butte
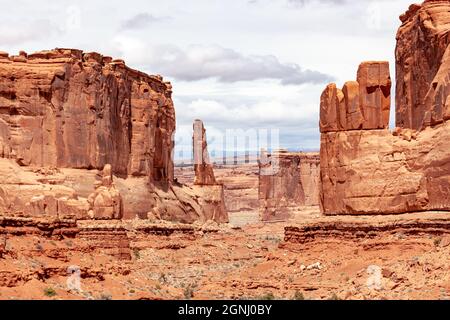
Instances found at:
x=287 y=180
x=366 y=168
x=72 y=122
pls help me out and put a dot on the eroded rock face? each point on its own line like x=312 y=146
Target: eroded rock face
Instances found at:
x=106 y=201
x=204 y=201
x=374 y=171
x=240 y=184
x=423 y=66
x=65 y=115
x=69 y=109
x=204 y=174
x=361 y=104
x=36 y=193
x=287 y=180
x=210 y=193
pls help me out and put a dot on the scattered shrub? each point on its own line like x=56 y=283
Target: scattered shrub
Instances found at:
x=299 y=295
x=189 y=292
x=105 y=296
x=437 y=241
x=334 y=297
x=268 y=296
x=49 y=292
x=162 y=278
x=137 y=254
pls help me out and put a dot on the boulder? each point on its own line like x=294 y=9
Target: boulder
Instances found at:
x=106 y=201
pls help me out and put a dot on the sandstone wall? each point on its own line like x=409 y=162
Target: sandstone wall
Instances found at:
x=287 y=180
x=367 y=169
x=423 y=66
x=64 y=116
x=69 y=109
x=379 y=172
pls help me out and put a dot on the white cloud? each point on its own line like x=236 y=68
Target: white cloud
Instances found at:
x=198 y=62
x=18 y=33
x=141 y=20
x=271 y=113
x=292 y=116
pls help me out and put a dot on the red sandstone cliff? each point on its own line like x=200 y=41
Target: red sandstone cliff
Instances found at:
x=287 y=180
x=366 y=169
x=423 y=66
x=64 y=116
x=69 y=109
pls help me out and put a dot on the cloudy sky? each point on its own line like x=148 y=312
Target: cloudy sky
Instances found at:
x=240 y=64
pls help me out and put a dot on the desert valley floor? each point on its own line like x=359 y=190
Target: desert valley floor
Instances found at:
x=245 y=260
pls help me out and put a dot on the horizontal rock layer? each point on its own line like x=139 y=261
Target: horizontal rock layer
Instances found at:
x=352 y=228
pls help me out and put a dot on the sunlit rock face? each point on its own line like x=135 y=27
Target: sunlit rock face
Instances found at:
x=70 y=109
x=287 y=180
x=367 y=169
x=423 y=66
x=71 y=120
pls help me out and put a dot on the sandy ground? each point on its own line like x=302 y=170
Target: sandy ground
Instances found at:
x=248 y=260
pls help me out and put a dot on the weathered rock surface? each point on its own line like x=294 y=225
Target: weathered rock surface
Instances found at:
x=65 y=115
x=202 y=201
x=377 y=172
x=68 y=109
x=309 y=230
x=322 y=258
x=423 y=66
x=364 y=104
x=287 y=180
x=109 y=238
x=204 y=174
x=106 y=201
x=372 y=170
x=35 y=193
x=240 y=184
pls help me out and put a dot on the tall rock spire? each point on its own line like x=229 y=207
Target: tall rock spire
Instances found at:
x=204 y=174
